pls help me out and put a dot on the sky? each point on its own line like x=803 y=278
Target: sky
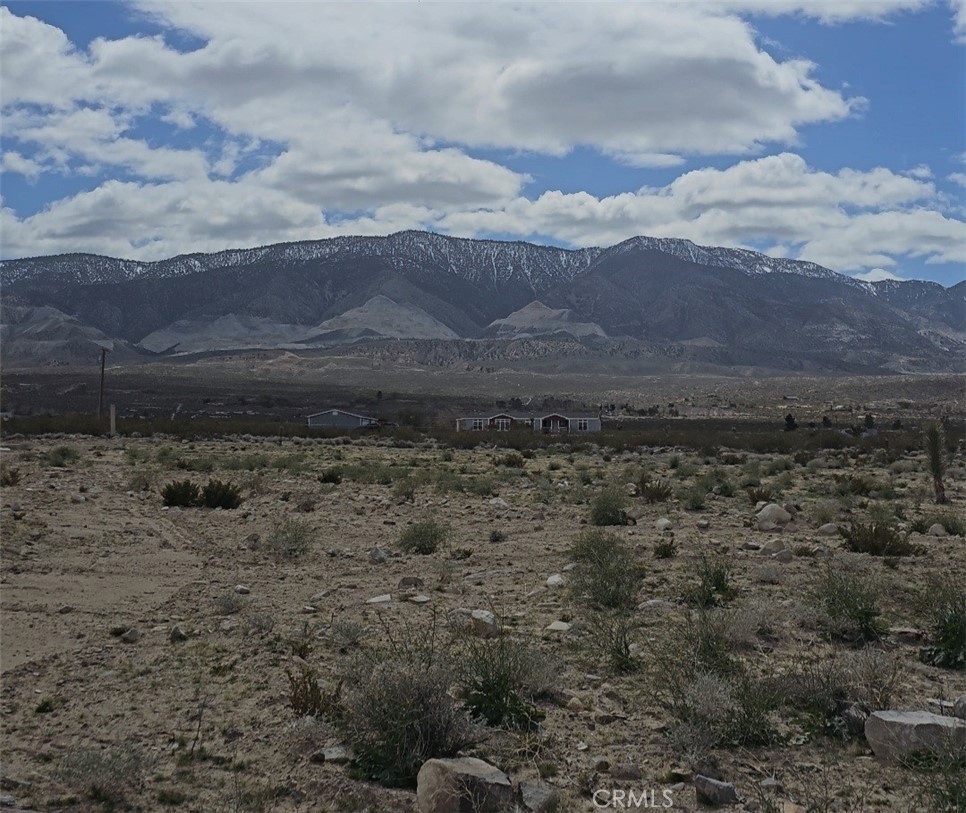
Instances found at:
x=825 y=130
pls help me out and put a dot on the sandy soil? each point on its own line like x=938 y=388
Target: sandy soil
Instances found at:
x=89 y=552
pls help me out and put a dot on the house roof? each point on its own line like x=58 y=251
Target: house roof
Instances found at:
x=343 y=412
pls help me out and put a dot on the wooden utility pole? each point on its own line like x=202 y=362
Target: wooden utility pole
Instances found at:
x=100 y=396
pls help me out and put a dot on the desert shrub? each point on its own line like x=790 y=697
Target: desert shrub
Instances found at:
x=404 y=490
x=346 y=635
x=512 y=460
x=104 y=776
x=480 y=486
x=497 y=536
x=934 y=442
x=61 y=456
x=941 y=777
x=396 y=710
x=606 y=572
x=945 y=607
x=653 y=492
x=500 y=677
x=181 y=493
x=761 y=494
x=693 y=497
x=953 y=524
x=685 y=469
x=877 y=538
x=229 y=603
x=424 y=537
x=608 y=508
x=713 y=583
x=665 y=549
x=610 y=635
x=288 y=539
x=332 y=476
x=824 y=512
x=9 y=477
x=854 y=484
x=217 y=494
x=308 y=698
x=850 y=599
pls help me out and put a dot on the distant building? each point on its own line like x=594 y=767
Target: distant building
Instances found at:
x=552 y=423
x=340 y=419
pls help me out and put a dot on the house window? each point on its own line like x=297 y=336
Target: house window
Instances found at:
x=478 y=423
x=502 y=424
x=583 y=424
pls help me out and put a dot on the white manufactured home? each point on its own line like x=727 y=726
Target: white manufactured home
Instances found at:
x=340 y=419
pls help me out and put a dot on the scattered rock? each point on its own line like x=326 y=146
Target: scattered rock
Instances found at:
x=455 y=785
x=626 y=771
x=772 y=546
x=703 y=524
x=854 y=717
x=177 y=634
x=131 y=636
x=410 y=582
x=828 y=529
x=7 y=801
x=936 y=530
x=783 y=556
x=663 y=524
x=483 y=623
x=499 y=502
x=378 y=556
x=556 y=580
x=897 y=735
x=336 y=755
x=227 y=625
x=242 y=590
x=959 y=707
x=420 y=599
x=558 y=626
x=66 y=609
x=714 y=792
x=537 y=797
x=385 y=598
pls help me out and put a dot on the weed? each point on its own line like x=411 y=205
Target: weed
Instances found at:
x=945 y=606
x=665 y=549
x=230 y=603
x=608 y=508
x=9 y=477
x=332 y=476
x=105 y=776
x=760 y=494
x=497 y=536
x=659 y=491
x=693 y=497
x=850 y=599
x=424 y=537
x=289 y=539
x=308 y=698
x=713 y=585
x=611 y=632
x=876 y=538
x=61 y=456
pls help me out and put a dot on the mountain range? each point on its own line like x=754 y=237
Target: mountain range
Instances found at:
x=642 y=297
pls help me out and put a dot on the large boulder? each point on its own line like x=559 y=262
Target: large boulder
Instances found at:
x=773 y=514
x=464 y=785
x=895 y=736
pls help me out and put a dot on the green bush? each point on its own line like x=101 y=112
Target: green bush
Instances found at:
x=714 y=585
x=945 y=605
x=107 y=775
x=500 y=678
x=307 y=697
x=608 y=508
x=181 y=493
x=61 y=456
x=217 y=494
x=9 y=477
x=332 y=476
x=606 y=572
x=761 y=494
x=877 y=538
x=850 y=598
x=693 y=497
x=610 y=634
x=512 y=460
x=424 y=537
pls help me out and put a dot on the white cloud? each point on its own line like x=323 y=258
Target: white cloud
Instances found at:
x=958 y=177
x=13 y=161
x=877 y=275
x=959 y=19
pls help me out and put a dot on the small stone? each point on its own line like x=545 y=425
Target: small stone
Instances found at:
x=467 y=783
x=378 y=556
x=420 y=599
x=773 y=513
x=309 y=608
x=768 y=525
x=783 y=556
x=714 y=792
x=602 y=766
x=410 y=583
x=66 y=609
x=228 y=625
x=385 y=598
x=575 y=704
x=558 y=626
x=556 y=580
x=854 y=718
x=663 y=524
x=828 y=529
x=131 y=636
x=582 y=746
x=772 y=546
x=703 y=524
x=7 y=801
x=537 y=797
x=483 y=623
x=336 y=755
x=936 y=530
x=242 y=590
x=769 y=783
x=959 y=707
x=626 y=771
x=499 y=502
x=177 y=634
